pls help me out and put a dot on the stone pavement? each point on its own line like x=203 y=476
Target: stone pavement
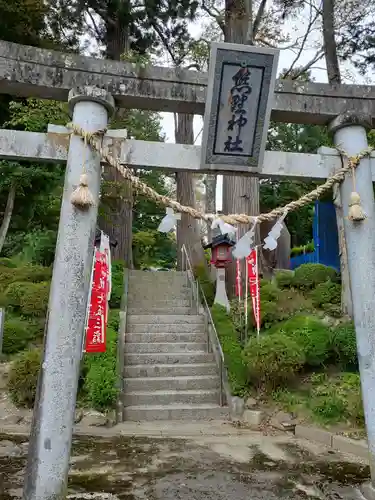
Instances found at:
x=194 y=461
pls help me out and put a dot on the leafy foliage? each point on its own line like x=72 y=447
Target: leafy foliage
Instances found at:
x=284 y=279
x=232 y=351
x=311 y=335
x=326 y=293
x=207 y=285
x=23 y=378
x=344 y=344
x=18 y=334
x=117 y=284
x=100 y=375
x=308 y=276
x=273 y=360
x=337 y=399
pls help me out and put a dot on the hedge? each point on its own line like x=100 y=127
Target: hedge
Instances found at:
x=232 y=350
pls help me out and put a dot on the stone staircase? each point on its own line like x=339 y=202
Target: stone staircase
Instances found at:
x=168 y=373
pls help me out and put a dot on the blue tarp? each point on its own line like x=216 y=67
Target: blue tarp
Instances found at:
x=325 y=239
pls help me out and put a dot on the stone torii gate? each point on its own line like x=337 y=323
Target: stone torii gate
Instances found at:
x=91 y=87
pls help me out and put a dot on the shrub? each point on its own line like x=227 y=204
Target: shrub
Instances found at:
x=284 y=278
x=28 y=273
x=311 y=334
x=100 y=373
x=308 y=276
x=14 y=292
x=344 y=344
x=18 y=333
x=273 y=360
x=309 y=248
x=34 y=299
x=23 y=378
x=326 y=293
x=39 y=247
x=232 y=350
x=208 y=287
x=337 y=399
x=117 y=284
x=5 y=262
x=269 y=291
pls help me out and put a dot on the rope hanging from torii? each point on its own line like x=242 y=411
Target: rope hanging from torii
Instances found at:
x=82 y=197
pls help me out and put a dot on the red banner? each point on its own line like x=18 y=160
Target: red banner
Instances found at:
x=98 y=309
x=252 y=268
x=238 y=279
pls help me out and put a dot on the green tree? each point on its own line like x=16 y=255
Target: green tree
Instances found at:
x=30 y=192
x=273 y=193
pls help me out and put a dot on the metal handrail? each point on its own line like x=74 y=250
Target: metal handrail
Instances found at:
x=121 y=349
x=198 y=292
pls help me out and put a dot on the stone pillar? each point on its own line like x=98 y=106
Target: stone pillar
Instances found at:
x=350 y=134
x=50 y=442
x=221 y=296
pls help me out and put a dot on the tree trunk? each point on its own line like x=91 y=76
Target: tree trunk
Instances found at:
x=210 y=199
x=7 y=215
x=188 y=233
x=118 y=220
x=334 y=77
x=240 y=194
x=330 y=48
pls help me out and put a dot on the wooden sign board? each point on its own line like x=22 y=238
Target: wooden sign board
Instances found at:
x=240 y=93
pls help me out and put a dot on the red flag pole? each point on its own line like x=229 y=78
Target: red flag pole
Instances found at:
x=257 y=294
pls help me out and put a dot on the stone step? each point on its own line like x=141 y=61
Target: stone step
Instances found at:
x=184 y=358
x=131 y=338
x=160 y=304
x=166 y=328
x=176 y=283
x=171 y=370
x=165 y=347
x=137 y=273
x=176 y=412
x=150 y=294
x=141 y=277
x=171 y=397
x=186 y=383
x=156 y=311
x=166 y=319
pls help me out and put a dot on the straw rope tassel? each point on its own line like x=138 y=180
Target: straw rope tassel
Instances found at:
x=356 y=213
x=82 y=197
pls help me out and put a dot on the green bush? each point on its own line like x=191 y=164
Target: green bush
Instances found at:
x=100 y=375
x=232 y=350
x=117 y=284
x=30 y=298
x=208 y=287
x=284 y=278
x=34 y=300
x=13 y=294
x=23 y=378
x=326 y=293
x=18 y=333
x=39 y=247
x=338 y=399
x=273 y=360
x=308 y=276
x=269 y=291
x=5 y=262
x=309 y=248
x=33 y=274
x=344 y=344
x=311 y=334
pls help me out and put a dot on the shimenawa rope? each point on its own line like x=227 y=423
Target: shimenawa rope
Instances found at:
x=94 y=139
